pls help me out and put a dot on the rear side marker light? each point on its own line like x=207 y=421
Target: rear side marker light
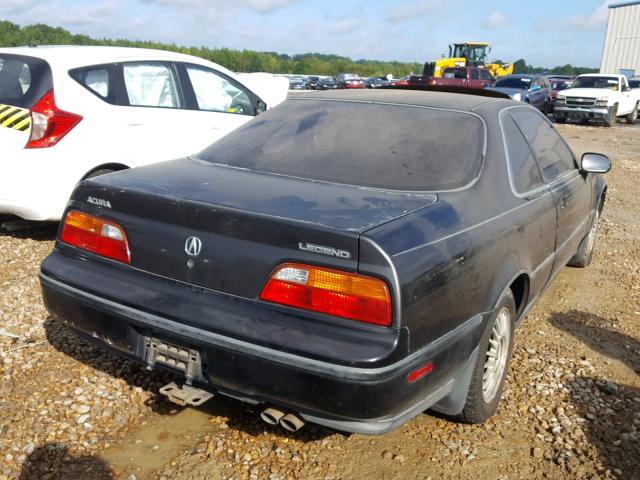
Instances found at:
x=96 y=235
x=420 y=372
x=333 y=292
x=48 y=123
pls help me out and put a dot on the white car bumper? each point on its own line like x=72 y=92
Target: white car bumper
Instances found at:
x=33 y=187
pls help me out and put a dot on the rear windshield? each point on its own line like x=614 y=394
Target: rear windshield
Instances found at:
x=364 y=144
x=23 y=80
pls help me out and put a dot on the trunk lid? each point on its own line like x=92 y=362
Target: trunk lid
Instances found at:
x=247 y=223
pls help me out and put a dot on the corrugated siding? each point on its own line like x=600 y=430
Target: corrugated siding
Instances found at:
x=622 y=43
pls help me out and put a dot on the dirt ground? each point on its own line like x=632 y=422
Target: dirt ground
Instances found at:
x=571 y=408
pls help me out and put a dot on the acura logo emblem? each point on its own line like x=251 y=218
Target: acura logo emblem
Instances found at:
x=192 y=246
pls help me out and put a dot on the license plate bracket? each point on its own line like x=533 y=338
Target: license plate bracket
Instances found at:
x=167 y=354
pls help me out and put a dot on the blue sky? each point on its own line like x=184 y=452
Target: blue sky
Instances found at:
x=554 y=32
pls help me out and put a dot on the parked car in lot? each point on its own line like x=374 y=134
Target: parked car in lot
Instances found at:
x=68 y=113
x=349 y=80
x=559 y=84
x=297 y=83
x=326 y=84
x=532 y=89
x=311 y=82
x=374 y=82
x=467 y=77
x=598 y=97
x=351 y=284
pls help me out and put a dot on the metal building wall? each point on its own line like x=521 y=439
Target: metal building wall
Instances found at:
x=622 y=43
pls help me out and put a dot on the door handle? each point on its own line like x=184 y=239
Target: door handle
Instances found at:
x=563 y=204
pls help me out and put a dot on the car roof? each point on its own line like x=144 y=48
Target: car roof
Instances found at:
x=410 y=98
x=71 y=56
x=600 y=75
x=522 y=75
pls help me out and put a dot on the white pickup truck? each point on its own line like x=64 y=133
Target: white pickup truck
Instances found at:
x=598 y=97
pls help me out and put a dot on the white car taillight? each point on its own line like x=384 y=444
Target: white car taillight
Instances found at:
x=49 y=123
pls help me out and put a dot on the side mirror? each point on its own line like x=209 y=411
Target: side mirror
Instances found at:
x=626 y=88
x=595 y=163
x=261 y=107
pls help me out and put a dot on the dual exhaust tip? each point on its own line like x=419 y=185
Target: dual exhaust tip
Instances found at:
x=289 y=421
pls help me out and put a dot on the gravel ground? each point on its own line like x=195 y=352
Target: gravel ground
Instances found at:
x=571 y=408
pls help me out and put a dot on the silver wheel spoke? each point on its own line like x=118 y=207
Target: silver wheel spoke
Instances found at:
x=496 y=355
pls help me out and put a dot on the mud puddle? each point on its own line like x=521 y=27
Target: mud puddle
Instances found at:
x=159 y=440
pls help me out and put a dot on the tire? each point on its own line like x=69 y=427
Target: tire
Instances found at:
x=633 y=116
x=559 y=119
x=611 y=120
x=582 y=257
x=486 y=385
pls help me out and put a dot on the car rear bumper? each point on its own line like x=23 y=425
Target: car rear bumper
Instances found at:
x=371 y=400
x=583 y=113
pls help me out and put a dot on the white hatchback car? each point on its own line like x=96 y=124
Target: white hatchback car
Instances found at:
x=68 y=113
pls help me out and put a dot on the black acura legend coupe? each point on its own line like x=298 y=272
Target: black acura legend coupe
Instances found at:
x=348 y=258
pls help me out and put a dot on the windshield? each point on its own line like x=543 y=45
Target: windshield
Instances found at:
x=513 y=82
x=560 y=85
x=371 y=145
x=596 y=82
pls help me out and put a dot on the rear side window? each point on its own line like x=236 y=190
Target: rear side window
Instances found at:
x=552 y=154
x=151 y=85
x=474 y=74
x=459 y=73
x=525 y=173
x=95 y=79
x=23 y=80
x=365 y=144
x=485 y=75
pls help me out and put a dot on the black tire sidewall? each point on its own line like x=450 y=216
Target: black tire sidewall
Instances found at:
x=476 y=409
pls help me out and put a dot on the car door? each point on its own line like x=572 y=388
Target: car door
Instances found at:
x=217 y=103
x=486 y=79
x=151 y=120
x=538 y=232
x=474 y=78
x=571 y=190
x=536 y=94
x=628 y=98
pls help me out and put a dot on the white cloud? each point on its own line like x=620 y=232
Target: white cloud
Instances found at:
x=412 y=10
x=496 y=20
x=10 y=7
x=595 y=21
x=344 y=26
x=260 y=6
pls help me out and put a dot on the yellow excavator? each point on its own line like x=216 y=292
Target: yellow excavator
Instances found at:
x=467 y=53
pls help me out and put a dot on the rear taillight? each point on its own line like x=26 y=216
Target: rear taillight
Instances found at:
x=341 y=294
x=48 y=123
x=96 y=235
